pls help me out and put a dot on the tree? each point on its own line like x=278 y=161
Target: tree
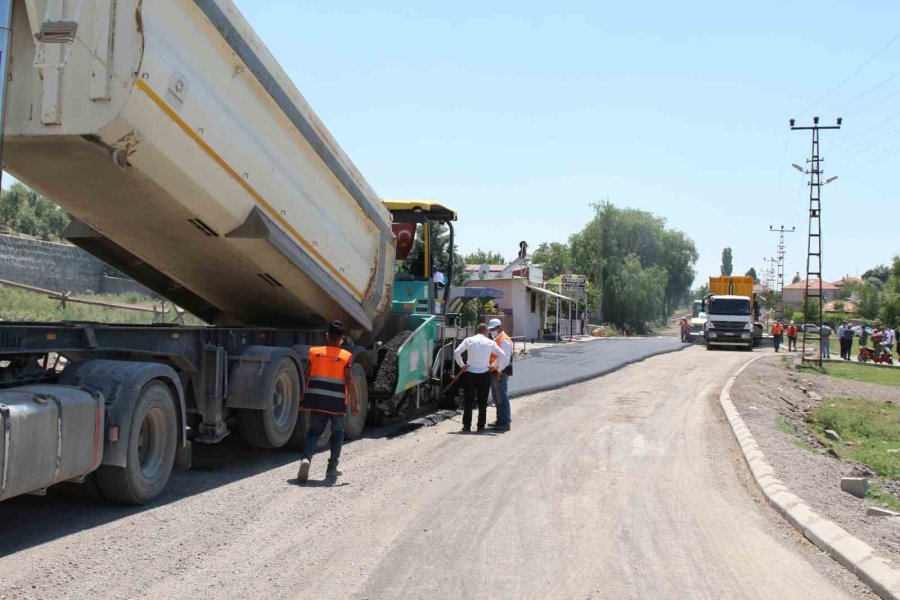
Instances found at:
x=796 y=278
x=869 y=302
x=480 y=257
x=881 y=272
x=751 y=272
x=607 y=249
x=554 y=258
x=700 y=293
x=24 y=210
x=727 y=267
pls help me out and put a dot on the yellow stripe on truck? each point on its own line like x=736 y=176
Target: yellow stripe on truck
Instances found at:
x=243 y=183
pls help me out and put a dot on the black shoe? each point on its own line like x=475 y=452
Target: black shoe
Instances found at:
x=480 y=428
x=502 y=427
x=466 y=430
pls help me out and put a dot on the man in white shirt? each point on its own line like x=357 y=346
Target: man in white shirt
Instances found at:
x=889 y=338
x=478 y=368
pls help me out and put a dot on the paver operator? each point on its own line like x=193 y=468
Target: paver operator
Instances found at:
x=478 y=372
x=500 y=384
x=326 y=399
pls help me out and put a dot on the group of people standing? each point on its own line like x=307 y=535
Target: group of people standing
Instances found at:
x=487 y=369
x=779 y=331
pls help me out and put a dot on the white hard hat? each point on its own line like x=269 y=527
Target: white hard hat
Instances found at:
x=494 y=323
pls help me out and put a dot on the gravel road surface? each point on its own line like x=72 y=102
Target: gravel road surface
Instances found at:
x=629 y=486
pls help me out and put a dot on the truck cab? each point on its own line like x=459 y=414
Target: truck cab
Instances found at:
x=697 y=321
x=729 y=322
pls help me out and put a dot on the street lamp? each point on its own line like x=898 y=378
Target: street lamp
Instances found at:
x=829 y=180
x=798 y=167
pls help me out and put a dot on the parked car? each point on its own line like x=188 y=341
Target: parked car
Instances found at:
x=810 y=328
x=856 y=329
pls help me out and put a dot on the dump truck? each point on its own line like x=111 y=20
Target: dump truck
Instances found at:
x=190 y=162
x=732 y=313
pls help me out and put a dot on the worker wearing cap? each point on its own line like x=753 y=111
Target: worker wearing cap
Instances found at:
x=326 y=398
x=478 y=372
x=502 y=373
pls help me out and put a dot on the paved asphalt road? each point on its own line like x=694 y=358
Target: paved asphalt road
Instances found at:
x=555 y=366
x=628 y=487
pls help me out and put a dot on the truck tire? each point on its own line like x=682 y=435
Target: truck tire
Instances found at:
x=150 y=453
x=272 y=426
x=354 y=424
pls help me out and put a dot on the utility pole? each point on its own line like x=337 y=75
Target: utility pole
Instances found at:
x=769 y=280
x=814 y=234
x=781 y=231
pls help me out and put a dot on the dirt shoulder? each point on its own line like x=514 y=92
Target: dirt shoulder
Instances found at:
x=775 y=402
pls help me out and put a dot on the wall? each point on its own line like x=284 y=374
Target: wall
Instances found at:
x=58 y=267
x=516 y=302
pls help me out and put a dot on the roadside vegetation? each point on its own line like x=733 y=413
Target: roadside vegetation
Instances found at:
x=21 y=305
x=870 y=432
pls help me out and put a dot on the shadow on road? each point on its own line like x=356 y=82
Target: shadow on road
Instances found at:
x=28 y=521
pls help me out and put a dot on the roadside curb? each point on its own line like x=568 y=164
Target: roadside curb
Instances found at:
x=581 y=379
x=853 y=554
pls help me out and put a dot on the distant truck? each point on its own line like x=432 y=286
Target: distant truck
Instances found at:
x=732 y=313
x=697 y=322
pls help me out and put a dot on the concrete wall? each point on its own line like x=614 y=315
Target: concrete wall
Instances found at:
x=58 y=267
x=516 y=302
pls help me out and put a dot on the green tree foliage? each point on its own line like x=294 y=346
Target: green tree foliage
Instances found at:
x=796 y=278
x=700 y=293
x=480 y=257
x=727 y=266
x=880 y=272
x=554 y=258
x=869 y=302
x=751 y=272
x=620 y=244
x=25 y=211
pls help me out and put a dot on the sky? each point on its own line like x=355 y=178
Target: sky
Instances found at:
x=522 y=114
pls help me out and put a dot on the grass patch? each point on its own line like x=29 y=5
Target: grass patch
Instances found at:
x=21 y=305
x=866 y=374
x=883 y=498
x=784 y=426
x=869 y=430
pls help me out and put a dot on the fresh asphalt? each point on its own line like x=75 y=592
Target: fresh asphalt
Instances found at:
x=567 y=364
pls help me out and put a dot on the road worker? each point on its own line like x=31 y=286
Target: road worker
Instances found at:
x=502 y=372
x=777 y=333
x=478 y=373
x=792 y=336
x=326 y=398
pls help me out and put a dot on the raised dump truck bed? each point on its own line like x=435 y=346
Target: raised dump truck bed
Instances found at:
x=192 y=163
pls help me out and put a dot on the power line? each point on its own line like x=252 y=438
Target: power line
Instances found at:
x=853 y=74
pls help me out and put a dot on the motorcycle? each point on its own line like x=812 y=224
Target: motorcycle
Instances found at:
x=880 y=354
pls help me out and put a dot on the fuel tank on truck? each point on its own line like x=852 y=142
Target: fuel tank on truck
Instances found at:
x=191 y=162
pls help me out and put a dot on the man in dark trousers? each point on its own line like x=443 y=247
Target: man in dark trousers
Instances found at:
x=326 y=399
x=478 y=373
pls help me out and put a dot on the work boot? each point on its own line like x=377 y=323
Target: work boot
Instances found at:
x=333 y=473
x=303 y=472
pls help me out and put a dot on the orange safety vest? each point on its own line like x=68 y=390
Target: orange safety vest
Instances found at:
x=792 y=331
x=499 y=341
x=326 y=390
x=777 y=329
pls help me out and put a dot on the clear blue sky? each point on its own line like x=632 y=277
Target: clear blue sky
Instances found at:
x=520 y=114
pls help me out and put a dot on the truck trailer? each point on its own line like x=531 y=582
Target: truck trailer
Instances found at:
x=190 y=162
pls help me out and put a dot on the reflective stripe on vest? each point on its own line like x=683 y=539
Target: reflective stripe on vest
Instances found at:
x=326 y=390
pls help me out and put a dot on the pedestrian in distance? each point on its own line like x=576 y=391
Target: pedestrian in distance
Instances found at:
x=501 y=373
x=825 y=336
x=847 y=341
x=478 y=373
x=863 y=335
x=792 y=336
x=840 y=335
x=326 y=399
x=777 y=333
x=889 y=335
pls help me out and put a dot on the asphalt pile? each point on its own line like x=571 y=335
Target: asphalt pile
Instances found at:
x=387 y=375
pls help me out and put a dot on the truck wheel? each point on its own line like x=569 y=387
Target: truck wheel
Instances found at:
x=272 y=426
x=151 y=449
x=356 y=423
